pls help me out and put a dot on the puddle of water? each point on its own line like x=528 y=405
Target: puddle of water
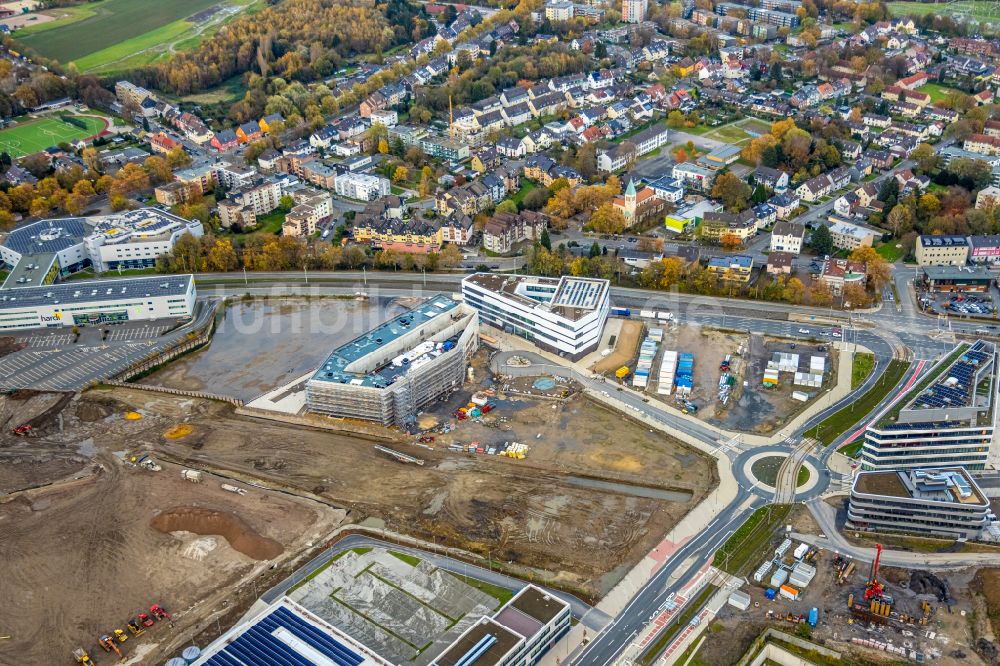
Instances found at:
x=629 y=489
x=262 y=344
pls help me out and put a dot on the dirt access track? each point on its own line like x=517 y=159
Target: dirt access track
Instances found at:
x=81 y=551
x=543 y=512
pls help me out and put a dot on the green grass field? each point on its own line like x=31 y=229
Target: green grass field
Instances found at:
x=145 y=31
x=976 y=10
x=937 y=91
x=740 y=132
x=34 y=136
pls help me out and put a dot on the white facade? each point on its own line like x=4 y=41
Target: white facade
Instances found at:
x=565 y=315
x=361 y=186
x=97 y=302
x=136 y=238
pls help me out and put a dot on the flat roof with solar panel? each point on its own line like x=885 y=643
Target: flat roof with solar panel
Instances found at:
x=69 y=293
x=335 y=367
x=569 y=297
x=290 y=635
x=485 y=643
x=956 y=385
x=48 y=235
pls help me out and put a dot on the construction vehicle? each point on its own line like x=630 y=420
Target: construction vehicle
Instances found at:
x=158 y=612
x=135 y=627
x=82 y=657
x=873 y=588
x=108 y=643
x=22 y=430
x=121 y=635
x=145 y=620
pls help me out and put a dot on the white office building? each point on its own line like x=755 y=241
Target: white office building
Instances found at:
x=935 y=502
x=97 y=302
x=946 y=419
x=42 y=251
x=564 y=315
x=361 y=186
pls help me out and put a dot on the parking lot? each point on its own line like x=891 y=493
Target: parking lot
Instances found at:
x=959 y=305
x=57 y=360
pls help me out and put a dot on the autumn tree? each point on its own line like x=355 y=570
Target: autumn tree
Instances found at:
x=730 y=242
x=877 y=269
x=732 y=191
x=222 y=257
x=607 y=219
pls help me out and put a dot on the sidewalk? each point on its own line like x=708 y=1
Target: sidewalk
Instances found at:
x=838 y=392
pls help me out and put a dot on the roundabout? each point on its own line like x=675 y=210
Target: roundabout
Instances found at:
x=757 y=471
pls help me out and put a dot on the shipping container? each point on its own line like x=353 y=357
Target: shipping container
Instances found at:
x=779 y=578
x=739 y=599
x=813 y=617
x=800 y=551
x=622 y=372
x=647 y=314
x=800 y=396
x=770 y=593
x=789 y=592
x=762 y=570
x=780 y=551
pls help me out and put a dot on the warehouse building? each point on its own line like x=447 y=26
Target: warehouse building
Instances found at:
x=946 y=419
x=97 y=302
x=564 y=315
x=389 y=373
x=934 y=502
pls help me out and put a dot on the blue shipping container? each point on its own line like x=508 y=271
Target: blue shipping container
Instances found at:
x=813 y=617
x=621 y=312
x=770 y=594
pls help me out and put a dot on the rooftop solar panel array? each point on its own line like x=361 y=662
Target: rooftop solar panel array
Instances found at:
x=48 y=235
x=956 y=386
x=579 y=293
x=259 y=644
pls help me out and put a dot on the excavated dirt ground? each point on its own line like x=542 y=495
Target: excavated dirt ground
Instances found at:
x=80 y=552
x=537 y=512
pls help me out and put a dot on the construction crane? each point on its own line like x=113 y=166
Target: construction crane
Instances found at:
x=874 y=589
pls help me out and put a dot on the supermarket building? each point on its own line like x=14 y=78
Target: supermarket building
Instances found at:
x=97 y=302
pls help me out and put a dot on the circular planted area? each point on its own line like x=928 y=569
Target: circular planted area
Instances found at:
x=766 y=469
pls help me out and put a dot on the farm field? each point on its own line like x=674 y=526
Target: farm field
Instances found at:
x=34 y=136
x=978 y=11
x=146 y=32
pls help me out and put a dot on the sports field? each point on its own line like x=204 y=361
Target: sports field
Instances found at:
x=34 y=136
x=106 y=30
x=982 y=11
x=739 y=132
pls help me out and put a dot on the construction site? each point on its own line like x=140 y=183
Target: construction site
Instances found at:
x=94 y=532
x=866 y=612
x=184 y=503
x=738 y=381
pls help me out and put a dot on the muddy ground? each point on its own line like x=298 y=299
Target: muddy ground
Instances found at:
x=82 y=552
x=284 y=339
x=542 y=512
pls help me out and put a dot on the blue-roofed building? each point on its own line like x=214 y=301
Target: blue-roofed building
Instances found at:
x=947 y=418
x=733 y=268
x=390 y=372
x=289 y=635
